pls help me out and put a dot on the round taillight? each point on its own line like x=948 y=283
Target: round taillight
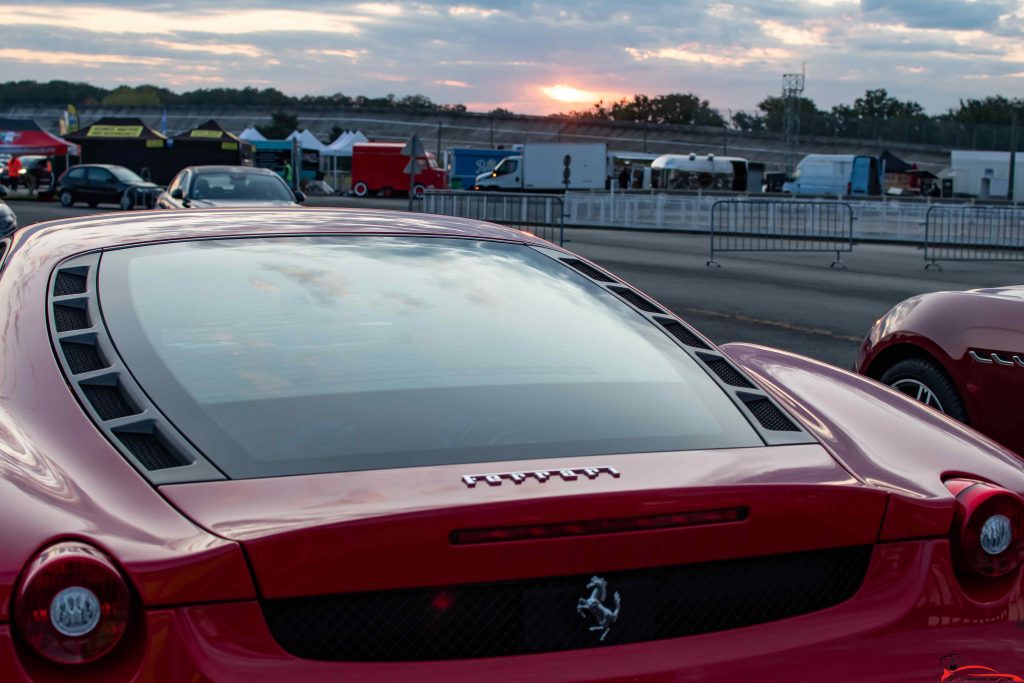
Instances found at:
x=72 y=605
x=989 y=534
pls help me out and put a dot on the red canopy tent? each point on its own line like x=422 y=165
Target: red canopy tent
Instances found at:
x=24 y=136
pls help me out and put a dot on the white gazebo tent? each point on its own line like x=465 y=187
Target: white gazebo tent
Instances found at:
x=252 y=135
x=341 y=148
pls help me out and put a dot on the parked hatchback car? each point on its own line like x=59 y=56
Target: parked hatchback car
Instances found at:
x=204 y=187
x=962 y=353
x=96 y=184
x=271 y=444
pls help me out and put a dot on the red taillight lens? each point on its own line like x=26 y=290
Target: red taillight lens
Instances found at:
x=989 y=531
x=73 y=604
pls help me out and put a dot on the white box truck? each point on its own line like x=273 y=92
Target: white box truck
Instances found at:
x=541 y=165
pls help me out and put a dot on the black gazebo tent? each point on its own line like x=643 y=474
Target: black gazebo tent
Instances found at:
x=209 y=144
x=125 y=141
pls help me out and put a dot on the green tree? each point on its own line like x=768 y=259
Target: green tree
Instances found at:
x=141 y=96
x=677 y=108
x=773 y=113
x=989 y=110
x=878 y=104
x=748 y=122
x=282 y=124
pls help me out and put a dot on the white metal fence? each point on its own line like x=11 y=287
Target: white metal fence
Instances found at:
x=878 y=220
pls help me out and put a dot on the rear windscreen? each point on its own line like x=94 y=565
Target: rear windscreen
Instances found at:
x=295 y=355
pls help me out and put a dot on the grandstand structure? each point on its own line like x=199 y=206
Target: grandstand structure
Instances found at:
x=442 y=129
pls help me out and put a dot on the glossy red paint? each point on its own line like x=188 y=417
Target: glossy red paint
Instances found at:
x=946 y=327
x=301 y=533
x=876 y=477
x=905 y=617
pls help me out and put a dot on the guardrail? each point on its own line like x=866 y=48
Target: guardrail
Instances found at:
x=784 y=225
x=973 y=233
x=541 y=215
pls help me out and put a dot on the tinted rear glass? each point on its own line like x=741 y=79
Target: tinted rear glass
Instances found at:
x=237 y=185
x=315 y=354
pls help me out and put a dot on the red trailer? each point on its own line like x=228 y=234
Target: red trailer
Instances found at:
x=379 y=167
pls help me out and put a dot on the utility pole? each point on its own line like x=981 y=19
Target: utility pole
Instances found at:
x=792 y=92
x=1013 y=156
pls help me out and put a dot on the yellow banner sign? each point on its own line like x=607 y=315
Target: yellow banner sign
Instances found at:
x=115 y=131
x=206 y=134
x=154 y=143
x=229 y=145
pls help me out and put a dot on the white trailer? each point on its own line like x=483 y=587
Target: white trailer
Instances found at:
x=541 y=166
x=985 y=174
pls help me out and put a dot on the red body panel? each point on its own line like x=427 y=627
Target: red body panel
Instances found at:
x=906 y=617
x=946 y=326
x=301 y=533
x=876 y=477
x=381 y=164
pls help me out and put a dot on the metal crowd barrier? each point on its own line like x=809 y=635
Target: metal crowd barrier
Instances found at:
x=541 y=215
x=973 y=233
x=781 y=225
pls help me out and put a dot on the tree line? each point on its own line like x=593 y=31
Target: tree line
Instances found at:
x=875 y=105
x=62 y=93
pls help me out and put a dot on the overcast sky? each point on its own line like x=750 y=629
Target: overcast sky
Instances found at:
x=528 y=57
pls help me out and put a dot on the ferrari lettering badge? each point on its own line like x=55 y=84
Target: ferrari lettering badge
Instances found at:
x=594 y=606
x=569 y=474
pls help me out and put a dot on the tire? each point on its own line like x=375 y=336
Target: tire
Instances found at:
x=926 y=381
x=385 y=192
x=360 y=189
x=67 y=198
x=126 y=202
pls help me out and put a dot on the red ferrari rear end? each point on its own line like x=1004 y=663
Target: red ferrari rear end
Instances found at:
x=364 y=446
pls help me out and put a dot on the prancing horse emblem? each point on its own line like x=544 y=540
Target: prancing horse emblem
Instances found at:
x=595 y=607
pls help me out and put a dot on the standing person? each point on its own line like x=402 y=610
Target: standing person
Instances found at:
x=14 y=172
x=289 y=175
x=624 y=178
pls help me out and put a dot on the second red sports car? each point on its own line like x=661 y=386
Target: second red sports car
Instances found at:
x=323 y=445
x=961 y=353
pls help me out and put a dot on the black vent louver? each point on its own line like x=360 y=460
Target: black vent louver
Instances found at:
x=682 y=333
x=725 y=371
x=635 y=299
x=586 y=269
x=106 y=390
x=149 y=450
x=69 y=282
x=82 y=356
x=767 y=413
x=68 y=317
x=108 y=400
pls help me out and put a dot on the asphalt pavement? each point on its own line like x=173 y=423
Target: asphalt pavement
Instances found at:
x=790 y=301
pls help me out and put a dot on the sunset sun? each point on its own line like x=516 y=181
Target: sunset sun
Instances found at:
x=567 y=93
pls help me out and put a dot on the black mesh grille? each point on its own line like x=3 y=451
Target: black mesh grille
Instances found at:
x=108 y=401
x=587 y=269
x=726 y=371
x=70 y=318
x=69 y=283
x=82 y=357
x=148 y=450
x=770 y=416
x=680 y=332
x=635 y=299
x=540 y=615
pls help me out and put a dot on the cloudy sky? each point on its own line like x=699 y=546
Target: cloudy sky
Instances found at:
x=525 y=56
